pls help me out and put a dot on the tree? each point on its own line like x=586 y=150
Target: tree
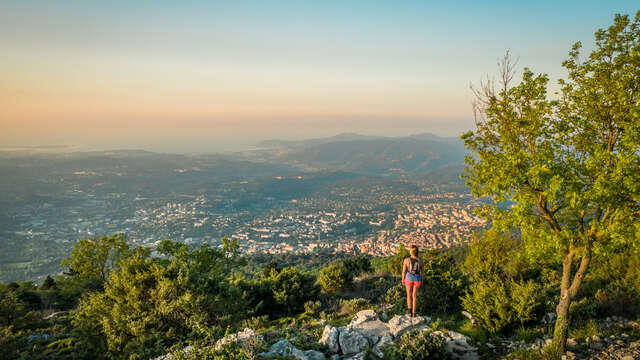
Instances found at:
x=570 y=166
x=333 y=278
x=94 y=258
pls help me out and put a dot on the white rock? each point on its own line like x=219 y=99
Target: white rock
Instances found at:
x=400 y=324
x=377 y=349
x=362 y=316
x=238 y=337
x=284 y=348
x=314 y=355
x=330 y=338
x=373 y=330
x=351 y=341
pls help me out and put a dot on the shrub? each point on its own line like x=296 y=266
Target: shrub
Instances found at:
x=334 y=278
x=442 y=285
x=416 y=345
x=500 y=305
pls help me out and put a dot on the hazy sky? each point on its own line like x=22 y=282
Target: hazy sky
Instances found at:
x=215 y=75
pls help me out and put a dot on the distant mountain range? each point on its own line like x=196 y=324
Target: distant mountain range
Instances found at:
x=414 y=154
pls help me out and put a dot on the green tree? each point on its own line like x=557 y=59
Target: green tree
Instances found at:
x=570 y=166
x=333 y=278
x=94 y=258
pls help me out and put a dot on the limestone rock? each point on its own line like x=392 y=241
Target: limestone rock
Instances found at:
x=330 y=338
x=238 y=337
x=377 y=349
x=458 y=345
x=284 y=348
x=373 y=330
x=351 y=340
x=362 y=316
x=186 y=351
x=400 y=324
x=358 y=356
x=314 y=355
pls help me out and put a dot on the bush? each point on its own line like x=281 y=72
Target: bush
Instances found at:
x=334 y=278
x=416 y=345
x=442 y=285
x=500 y=305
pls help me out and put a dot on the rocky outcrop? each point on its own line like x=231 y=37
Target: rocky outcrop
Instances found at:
x=238 y=337
x=377 y=349
x=458 y=345
x=284 y=348
x=363 y=316
x=352 y=341
x=330 y=338
x=400 y=324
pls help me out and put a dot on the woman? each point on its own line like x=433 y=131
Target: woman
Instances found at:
x=412 y=278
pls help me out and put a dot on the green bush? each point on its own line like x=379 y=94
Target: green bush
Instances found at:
x=500 y=305
x=416 y=345
x=443 y=283
x=334 y=278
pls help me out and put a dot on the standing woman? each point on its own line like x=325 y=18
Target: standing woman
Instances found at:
x=412 y=278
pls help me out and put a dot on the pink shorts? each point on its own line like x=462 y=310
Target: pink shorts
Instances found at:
x=412 y=283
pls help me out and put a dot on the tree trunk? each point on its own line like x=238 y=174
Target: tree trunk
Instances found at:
x=568 y=290
x=562 y=310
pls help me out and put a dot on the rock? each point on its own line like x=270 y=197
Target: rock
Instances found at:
x=186 y=351
x=458 y=345
x=373 y=330
x=403 y=323
x=549 y=318
x=572 y=342
x=238 y=337
x=595 y=338
x=384 y=316
x=330 y=338
x=628 y=357
x=377 y=349
x=596 y=345
x=352 y=341
x=284 y=348
x=314 y=355
x=362 y=316
x=335 y=357
x=358 y=356
x=470 y=317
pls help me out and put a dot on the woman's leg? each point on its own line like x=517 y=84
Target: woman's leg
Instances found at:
x=414 y=294
x=409 y=294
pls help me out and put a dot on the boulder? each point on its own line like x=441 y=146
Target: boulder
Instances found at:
x=330 y=338
x=186 y=351
x=352 y=341
x=470 y=317
x=373 y=330
x=362 y=316
x=358 y=356
x=238 y=337
x=284 y=348
x=314 y=355
x=400 y=324
x=458 y=345
x=377 y=349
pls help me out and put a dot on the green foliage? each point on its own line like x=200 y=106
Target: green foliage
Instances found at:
x=443 y=283
x=416 y=345
x=394 y=263
x=149 y=304
x=569 y=166
x=280 y=293
x=95 y=258
x=357 y=266
x=499 y=305
x=334 y=278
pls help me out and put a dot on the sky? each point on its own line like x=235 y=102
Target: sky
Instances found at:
x=182 y=76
